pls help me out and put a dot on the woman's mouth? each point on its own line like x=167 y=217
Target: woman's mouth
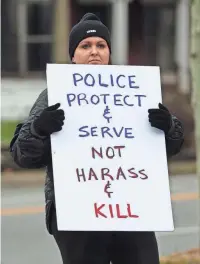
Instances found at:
x=95 y=62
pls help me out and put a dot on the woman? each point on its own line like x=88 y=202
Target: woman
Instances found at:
x=89 y=43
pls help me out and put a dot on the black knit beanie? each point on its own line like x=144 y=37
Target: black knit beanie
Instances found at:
x=89 y=26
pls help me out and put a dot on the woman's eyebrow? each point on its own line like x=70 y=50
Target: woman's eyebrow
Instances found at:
x=85 y=42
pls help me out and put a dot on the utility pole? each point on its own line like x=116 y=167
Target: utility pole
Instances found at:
x=195 y=74
x=61 y=30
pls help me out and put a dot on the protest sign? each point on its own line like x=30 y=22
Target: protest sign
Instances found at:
x=109 y=164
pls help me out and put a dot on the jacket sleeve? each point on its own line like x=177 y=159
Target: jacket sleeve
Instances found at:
x=175 y=138
x=28 y=149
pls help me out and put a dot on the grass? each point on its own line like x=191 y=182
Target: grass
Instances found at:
x=7 y=131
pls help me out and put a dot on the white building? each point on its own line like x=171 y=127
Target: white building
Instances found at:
x=144 y=32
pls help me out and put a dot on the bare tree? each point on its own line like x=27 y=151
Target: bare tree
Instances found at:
x=195 y=74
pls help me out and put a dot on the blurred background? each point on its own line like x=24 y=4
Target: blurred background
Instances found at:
x=144 y=32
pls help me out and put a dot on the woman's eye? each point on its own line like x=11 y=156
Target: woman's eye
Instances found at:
x=85 y=46
x=102 y=46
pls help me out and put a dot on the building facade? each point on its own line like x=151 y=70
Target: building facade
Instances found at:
x=144 y=32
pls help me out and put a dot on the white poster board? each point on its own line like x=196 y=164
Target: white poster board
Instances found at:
x=109 y=164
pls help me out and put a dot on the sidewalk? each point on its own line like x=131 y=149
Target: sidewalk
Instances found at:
x=189 y=257
x=23 y=178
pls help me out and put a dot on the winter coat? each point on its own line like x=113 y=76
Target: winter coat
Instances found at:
x=30 y=150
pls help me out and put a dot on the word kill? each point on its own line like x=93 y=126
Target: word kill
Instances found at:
x=113 y=211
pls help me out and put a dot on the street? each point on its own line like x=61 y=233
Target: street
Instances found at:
x=25 y=239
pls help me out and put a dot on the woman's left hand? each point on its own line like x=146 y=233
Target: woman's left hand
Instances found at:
x=161 y=118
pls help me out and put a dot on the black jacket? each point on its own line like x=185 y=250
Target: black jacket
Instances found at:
x=29 y=150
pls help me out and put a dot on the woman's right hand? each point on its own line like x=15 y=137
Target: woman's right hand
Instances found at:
x=50 y=120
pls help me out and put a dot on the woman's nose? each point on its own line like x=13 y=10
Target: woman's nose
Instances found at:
x=94 y=50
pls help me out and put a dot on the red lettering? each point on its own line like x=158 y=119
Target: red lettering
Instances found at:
x=82 y=174
x=145 y=176
x=97 y=210
x=112 y=155
x=119 y=213
x=129 y=212
x=100 y=154
x=111 y=210
x=92 y=174
x=134 y=175
x=120 y=173
x=119 y=149
x=105 y=172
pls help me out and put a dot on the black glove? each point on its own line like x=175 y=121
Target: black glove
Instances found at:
x=161 y=118
x=49 y=121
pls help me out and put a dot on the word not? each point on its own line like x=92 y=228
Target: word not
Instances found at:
x=105 y=132
x=115 y=99
x=121 y=81
x=109 y=152
x=106 y=174
x=112 y=211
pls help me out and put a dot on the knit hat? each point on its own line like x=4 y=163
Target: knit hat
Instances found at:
x=89 y=26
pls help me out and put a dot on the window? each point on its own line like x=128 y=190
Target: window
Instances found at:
x=159 y=34
x=39 y=39
x=9 y=61
x=26 y=35
x=39 y=35
x=39 y=18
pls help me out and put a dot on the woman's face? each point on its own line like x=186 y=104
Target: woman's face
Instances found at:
x=93 y=50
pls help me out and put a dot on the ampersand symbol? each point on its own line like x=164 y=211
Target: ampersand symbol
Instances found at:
x=107 y=186
x=106 y=114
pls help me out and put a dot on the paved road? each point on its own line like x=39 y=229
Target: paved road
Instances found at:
x=25 y=239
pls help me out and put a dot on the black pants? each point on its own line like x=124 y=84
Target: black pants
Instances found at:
x=104 y=247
